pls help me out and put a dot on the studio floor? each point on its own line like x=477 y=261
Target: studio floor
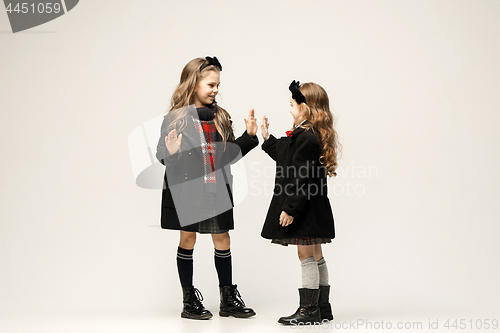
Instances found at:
x=151 y=321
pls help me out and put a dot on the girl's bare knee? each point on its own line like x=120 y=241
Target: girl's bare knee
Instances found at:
x=305 y=251
x=221 y=241
x=318 y=253
x=187 y=240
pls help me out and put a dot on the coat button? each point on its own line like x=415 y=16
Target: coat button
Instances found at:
x=185 y=176
x=189 y=153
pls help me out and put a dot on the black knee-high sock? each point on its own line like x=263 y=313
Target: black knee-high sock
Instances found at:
x=223 y=266
x=185 y=266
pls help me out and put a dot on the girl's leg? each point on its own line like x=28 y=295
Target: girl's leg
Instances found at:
x=323 y=270
x=222 y=257
x=308 y=311
x=324 y=288
x=305 y=251
x=231 y=303
x=221 y=241
x=185 y=257
x=191 y=297
x=318 y=253
x=310 y=273
x=188 y=239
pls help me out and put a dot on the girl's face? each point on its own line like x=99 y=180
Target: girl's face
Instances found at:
x=296 y=112
x=206 y=89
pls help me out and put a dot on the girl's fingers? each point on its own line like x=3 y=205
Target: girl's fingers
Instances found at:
x=172 y=134
x=265 y=121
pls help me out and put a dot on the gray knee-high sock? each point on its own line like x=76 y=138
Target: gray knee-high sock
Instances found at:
x=310 y=273
x=323 y=272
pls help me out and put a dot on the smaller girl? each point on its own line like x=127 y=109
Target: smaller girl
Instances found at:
x=300 y=212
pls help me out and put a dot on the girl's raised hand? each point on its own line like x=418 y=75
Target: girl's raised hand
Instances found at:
x=173 y=142
x=264 y=128
x=285 y=219
x=251 y=123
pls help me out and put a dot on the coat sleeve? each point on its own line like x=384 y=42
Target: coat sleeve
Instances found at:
x=162 y=153
x=243 y=144
x=297 y=190
x=246 y=142
x=269 y=146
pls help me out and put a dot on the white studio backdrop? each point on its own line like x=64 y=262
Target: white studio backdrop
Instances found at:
x=413 y=84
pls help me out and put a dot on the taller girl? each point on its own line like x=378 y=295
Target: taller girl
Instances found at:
x=300 y=212
x=196 y=144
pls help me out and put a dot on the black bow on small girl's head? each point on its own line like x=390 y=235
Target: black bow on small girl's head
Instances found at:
x=296 y=93
x=212 y=61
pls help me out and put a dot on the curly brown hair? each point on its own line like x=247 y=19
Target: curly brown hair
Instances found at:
x=317 y=111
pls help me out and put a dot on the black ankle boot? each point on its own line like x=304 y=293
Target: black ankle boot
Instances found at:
x=308 y=311
x=325 y=308
x=231 y=303
x=193 y=308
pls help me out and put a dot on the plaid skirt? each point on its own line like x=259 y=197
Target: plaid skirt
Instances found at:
x=301 y=241
x=209 y=225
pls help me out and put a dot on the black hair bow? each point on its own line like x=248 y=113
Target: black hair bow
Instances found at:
x=296 y=93
x=212 y=61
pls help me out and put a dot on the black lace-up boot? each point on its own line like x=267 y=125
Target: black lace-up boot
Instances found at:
x=308 y=311
x=193 y=308
x=231 y=303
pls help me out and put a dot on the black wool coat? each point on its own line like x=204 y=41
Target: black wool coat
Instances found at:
x=186 y=167
x=300 y=188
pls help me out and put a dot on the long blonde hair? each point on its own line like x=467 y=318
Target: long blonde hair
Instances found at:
x=184 y=96
x=317 y=111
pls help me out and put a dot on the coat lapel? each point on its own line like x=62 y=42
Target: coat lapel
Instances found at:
x=190 y=134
